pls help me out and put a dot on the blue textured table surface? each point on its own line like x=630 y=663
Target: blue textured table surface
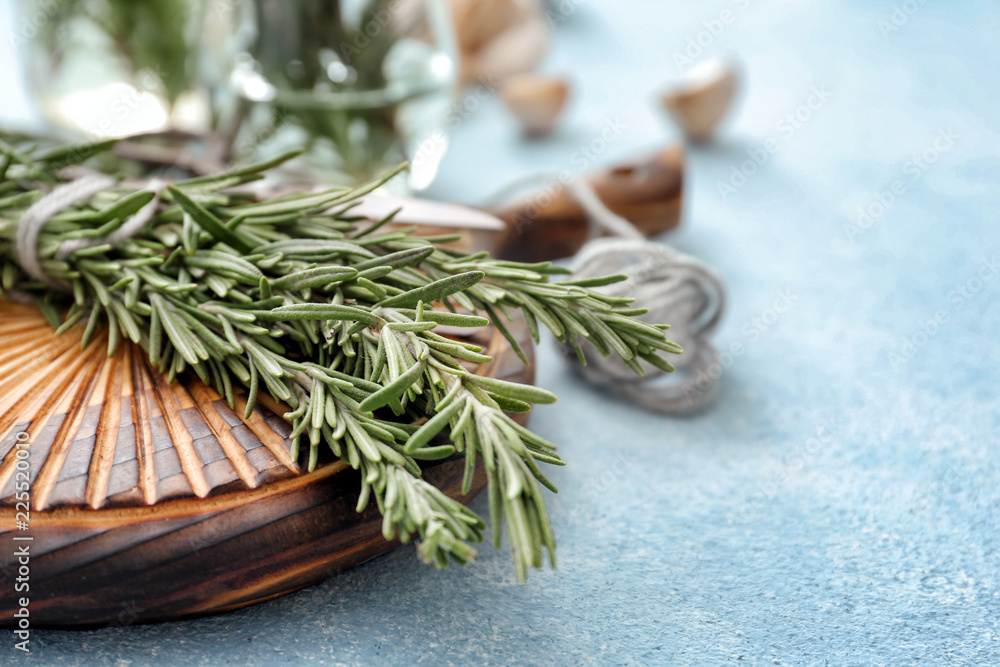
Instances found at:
x=839 y=502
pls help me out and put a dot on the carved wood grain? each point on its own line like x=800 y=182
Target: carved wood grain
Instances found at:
x=155 y=502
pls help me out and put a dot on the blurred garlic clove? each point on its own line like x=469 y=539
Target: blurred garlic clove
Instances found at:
x=536 y=101
x=699 y=102
x=479 y=21
x=499 y=38
x=515 y=51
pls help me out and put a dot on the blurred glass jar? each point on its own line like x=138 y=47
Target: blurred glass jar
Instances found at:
x=364 y=84
x=113 y=68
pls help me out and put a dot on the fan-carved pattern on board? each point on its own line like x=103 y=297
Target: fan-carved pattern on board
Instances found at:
x=113 y=432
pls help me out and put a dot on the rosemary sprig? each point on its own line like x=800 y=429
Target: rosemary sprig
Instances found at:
x=149 y=38
x=332 y=316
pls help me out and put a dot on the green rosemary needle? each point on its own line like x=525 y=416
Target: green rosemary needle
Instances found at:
x=336 y=322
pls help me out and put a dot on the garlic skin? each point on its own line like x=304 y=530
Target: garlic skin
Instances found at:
x=537 y=101
x=499 y=38
x=699 y=102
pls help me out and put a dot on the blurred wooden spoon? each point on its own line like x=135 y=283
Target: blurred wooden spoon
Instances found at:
x=550 y=223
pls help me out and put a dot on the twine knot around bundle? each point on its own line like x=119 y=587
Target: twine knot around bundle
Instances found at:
x=677 y=288
x=62 y=198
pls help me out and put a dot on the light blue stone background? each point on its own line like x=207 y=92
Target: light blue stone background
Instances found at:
x=838 y=504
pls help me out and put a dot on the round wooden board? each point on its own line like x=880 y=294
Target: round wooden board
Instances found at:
x=152 y=501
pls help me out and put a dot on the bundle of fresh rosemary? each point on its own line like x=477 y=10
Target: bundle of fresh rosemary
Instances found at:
x=331 y=315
